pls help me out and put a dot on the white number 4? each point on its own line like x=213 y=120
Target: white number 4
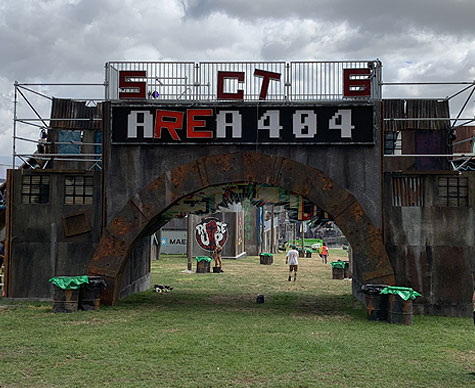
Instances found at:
x=342 y=120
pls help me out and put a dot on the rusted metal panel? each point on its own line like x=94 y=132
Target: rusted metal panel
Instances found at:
x=407 y=191
x=464 y=133
x=76 y=223
x=394 y=109
x=428 y=108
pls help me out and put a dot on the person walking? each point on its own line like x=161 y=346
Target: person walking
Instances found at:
x=291 y=259
x=324 y=253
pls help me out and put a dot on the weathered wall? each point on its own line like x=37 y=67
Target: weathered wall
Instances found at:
x=356 y=168
x=40 y=248
x=432 y=247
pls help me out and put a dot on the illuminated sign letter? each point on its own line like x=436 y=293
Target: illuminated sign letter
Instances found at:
x=222 y=75
x=133 y=89
x=192 y=123
x=266 y=75
x=305 y=124
x=235 y=123
x=356 y=82
x=139 y=119
x=174 y=121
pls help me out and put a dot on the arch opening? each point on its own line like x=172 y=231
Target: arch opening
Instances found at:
x=146 y=210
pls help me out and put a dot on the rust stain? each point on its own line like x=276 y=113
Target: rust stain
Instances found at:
x=326 y=183
x=357 y=212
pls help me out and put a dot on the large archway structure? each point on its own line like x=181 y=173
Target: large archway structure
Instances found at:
x=141 y=214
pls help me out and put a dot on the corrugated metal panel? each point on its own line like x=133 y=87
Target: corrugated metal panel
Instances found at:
x=424 y=108
x=408 y=191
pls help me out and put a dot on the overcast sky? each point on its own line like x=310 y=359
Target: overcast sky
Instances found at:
x=70 y=40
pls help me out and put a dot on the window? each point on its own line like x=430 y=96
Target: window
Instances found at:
x=453 y=191
x=35 y=188
x=408 y=191
x=78 y=190
x=392 y=143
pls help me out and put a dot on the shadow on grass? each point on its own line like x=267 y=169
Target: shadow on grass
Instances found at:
x=277 y=302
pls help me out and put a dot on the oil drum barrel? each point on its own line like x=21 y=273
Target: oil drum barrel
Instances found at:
x=65 y=301
x=338 y=273
x=400 y=311
x=377 y=307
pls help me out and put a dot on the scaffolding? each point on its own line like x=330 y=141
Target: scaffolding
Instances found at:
x=32 y=110
x=301 y=82
x=458 y=161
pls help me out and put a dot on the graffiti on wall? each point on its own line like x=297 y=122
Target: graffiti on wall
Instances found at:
x=210 y=232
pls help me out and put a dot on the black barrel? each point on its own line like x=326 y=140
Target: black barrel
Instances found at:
x=65 y=301
x=260 y=299
x=400 y=311
x=308 y=254
x=347 y=270
x=377 y=307
x=301 y=253
x=202 y=266
x=90 y=294
x=338 y=273
x=266 y=259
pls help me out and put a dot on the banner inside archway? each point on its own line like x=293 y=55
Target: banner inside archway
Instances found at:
x=219 y=198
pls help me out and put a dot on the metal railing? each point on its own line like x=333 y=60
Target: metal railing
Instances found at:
x=299 y=81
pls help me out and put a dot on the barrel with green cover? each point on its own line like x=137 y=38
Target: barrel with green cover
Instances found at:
x=203 y=264
x=400 y=310
x=266 y=258
x=338 y=269
x=66 y=292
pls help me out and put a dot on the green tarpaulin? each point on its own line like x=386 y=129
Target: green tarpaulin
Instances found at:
x=205 y=258
x=404 y=292
x=69 y=282
x=338 y=264
x=267 y=254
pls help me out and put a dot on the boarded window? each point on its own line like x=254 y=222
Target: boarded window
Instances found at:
x=453 y=191
x=75 y=224
x=408 y=191
x=78 y=190
x=35 y=188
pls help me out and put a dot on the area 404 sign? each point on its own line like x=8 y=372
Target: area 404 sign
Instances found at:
x=210 y=232
x=245 y=124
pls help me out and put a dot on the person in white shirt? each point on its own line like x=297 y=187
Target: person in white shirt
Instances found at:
x=291 y=259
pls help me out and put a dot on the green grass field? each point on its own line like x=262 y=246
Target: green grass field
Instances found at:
x=209 y=332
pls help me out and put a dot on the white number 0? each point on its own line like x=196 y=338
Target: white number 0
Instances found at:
x=342 y=120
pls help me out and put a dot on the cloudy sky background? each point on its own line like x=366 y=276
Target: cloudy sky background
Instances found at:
x=70 y=40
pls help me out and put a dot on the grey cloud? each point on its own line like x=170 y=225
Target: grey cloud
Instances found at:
x=440 y=16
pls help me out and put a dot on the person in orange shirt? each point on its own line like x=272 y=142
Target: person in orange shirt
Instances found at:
x=324 y=253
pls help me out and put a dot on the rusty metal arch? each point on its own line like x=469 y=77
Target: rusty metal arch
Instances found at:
x=146 y=206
